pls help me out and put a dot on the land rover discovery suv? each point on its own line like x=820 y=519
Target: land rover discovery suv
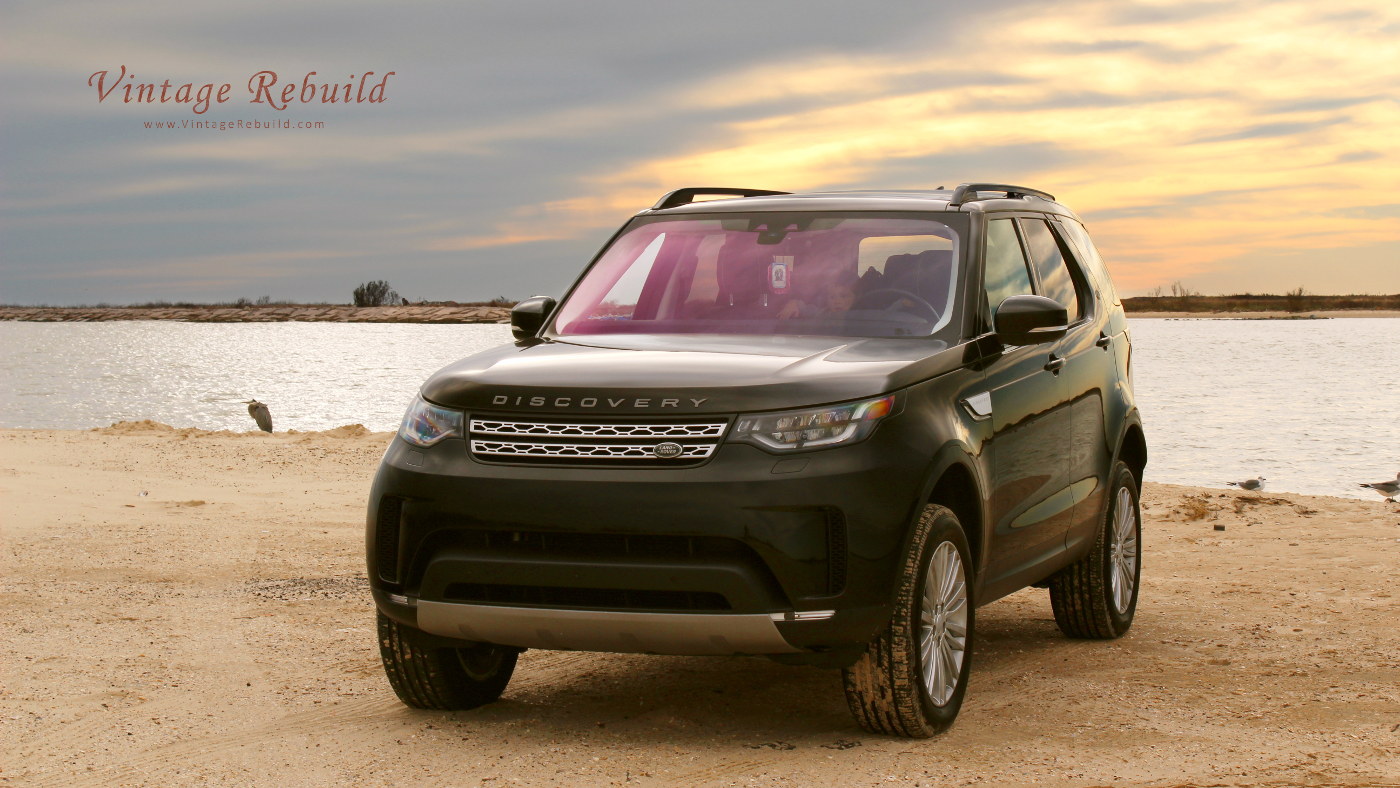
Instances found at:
x=822 y=428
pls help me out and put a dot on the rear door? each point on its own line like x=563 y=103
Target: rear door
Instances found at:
x=1092 y=372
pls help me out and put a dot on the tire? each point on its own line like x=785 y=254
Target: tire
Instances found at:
x=427 y=675
x=912 y=678
x=1096 y=597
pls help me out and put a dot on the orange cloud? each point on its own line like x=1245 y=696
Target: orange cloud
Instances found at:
x=1251 y=129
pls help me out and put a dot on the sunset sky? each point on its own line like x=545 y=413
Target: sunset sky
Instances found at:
x=1231 y=146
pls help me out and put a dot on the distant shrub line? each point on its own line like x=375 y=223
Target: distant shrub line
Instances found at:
x=1294 y=301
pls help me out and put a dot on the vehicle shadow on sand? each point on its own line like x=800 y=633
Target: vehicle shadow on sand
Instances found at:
x=749 y=701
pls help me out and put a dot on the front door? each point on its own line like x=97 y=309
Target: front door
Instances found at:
x=1031 y=499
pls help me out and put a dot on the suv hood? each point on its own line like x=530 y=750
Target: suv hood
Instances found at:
x=669 y=375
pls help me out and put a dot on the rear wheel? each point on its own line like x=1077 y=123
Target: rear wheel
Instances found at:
x=428 y=675
x=913 y=675
x=1096 y=597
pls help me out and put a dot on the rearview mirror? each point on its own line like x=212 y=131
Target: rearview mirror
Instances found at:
x=1030 y=320
x=529 y=315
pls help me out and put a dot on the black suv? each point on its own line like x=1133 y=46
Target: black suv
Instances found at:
x=821 y=428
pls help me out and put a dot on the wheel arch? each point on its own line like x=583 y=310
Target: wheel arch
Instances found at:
x=1132 y=450
x=954 y=482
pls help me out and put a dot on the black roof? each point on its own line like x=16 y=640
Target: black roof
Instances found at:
x=999 y=197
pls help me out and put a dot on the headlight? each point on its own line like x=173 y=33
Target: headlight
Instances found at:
x=815 y=428
x=425 y=424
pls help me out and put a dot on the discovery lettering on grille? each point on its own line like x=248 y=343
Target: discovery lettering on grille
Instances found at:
x=598 y=402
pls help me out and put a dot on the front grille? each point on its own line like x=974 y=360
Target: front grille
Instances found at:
x=709 y=429
x=645 y=451
x=580 y=442
x=602 y=598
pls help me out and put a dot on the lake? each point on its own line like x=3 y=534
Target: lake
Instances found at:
x=1309 y=404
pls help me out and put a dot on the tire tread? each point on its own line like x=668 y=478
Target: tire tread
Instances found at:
x=427 y=676
x=1079 y=593
x=880 y=688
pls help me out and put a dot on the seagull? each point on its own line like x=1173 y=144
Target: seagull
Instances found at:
x=260 y=414
x=1387 y=489
x=1249 y=484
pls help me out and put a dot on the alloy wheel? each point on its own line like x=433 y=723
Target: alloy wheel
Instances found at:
x=943 y=624
x=1123 y=551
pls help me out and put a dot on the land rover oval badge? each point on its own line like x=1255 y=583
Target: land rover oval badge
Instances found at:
x=667 y=450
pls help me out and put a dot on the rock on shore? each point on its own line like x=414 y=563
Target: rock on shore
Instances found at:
x=315 y=313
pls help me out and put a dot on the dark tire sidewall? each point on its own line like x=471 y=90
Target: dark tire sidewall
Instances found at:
x=945 y=528
x=1122 y=476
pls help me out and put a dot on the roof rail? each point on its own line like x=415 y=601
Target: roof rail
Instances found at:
x=967 y=192
x=688 y=195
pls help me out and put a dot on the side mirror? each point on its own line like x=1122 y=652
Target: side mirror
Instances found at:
x=529 y=315
x=1030 y=320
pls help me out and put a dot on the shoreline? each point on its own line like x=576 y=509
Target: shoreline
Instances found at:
x=308 y=313
x=1320 y=314
x=182 y=606
x=339 y=313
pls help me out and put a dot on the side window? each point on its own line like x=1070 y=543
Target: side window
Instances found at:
x=1055 y=279
x=1006 y=273
x=1089 y=255
x=621 y=300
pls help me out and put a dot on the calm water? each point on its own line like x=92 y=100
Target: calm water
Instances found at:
x=1310 y=405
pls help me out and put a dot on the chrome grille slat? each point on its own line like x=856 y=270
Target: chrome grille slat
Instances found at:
x=566 y=440
x=606 y=451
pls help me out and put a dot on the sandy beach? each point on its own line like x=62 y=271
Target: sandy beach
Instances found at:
x=187 y=608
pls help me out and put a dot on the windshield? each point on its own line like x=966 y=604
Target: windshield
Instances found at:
x=767 y=273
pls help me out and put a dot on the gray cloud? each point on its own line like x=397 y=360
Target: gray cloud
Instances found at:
x=1264 y=130
x=994 y=164
x=97 y=205
x=1175 y=13
x=1160 y=53
x=1323 y=104
x=496 y=108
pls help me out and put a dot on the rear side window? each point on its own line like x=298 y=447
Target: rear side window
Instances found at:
x=1006 y=273
x=1089 y=255
x=1055 y=279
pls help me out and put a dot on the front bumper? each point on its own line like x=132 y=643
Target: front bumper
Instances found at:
x=749 y=553
x=694 y=634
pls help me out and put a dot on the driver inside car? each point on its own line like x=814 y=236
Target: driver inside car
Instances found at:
x=836 y=299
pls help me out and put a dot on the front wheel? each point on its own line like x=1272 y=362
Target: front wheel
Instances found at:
x=1096 y=597
x=428 y=675
x=913 y=675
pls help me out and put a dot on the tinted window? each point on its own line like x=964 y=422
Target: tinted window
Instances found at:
x=1006 y=274
x=804 y=273
x=1089 y=256
x=1055 y=279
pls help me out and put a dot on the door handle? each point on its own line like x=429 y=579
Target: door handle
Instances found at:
x=1104 y=341
x=1055 y=363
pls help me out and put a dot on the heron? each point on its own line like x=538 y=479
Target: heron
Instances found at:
x=260 y=414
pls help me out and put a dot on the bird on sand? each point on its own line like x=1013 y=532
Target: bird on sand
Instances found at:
x=260 y=414
x=1387 y=489
x=1249 y=484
